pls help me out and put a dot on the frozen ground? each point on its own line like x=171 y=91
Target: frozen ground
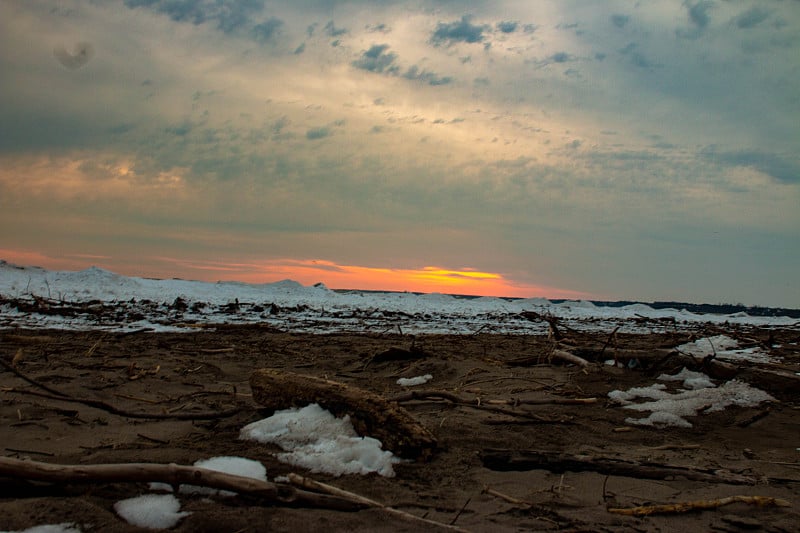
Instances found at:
x=98 y=299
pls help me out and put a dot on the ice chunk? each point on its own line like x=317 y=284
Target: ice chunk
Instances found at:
x=418 y=380
x=152 y=511
x=314 y=439
x=66 y=527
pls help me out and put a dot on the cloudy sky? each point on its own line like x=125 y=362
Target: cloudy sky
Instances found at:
x=608 y=150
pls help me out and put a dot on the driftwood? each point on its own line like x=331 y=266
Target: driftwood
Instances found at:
x=699 y=505
x=172 y=474
x=310 y=484
x=371 y=414
x=567 y=357
x=558 y=462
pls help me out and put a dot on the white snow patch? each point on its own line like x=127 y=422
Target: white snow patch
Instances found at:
x=411 y=382
x=669 y=409
x=726 y=349
x=314 y=439
x=66 y=527
x=152 y=511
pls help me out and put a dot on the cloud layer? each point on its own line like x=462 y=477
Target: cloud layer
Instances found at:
x=613 y=149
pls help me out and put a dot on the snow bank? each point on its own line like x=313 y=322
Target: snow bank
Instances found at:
x=152 y=303
x=700 y=396
x=314 y=439
x=152 y=511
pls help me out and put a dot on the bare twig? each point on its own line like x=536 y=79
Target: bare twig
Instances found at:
x=699 y=505
x=99 y=404
x=310 y=484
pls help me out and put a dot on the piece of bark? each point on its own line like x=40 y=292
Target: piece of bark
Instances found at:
x=171 y=474
x=371 y=414
x=554 y=461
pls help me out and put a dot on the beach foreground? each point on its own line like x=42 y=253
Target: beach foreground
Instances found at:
x=537 y=443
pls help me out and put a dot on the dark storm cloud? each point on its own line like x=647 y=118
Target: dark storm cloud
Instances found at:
x=461 y=30
x=751 y=18
x=377 y=59
x=229 y=15
x=777 y=167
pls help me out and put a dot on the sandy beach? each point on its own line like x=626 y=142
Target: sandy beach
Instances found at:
x=506 y=457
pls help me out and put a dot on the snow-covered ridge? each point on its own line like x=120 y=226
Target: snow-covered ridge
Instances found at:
x=174 y=303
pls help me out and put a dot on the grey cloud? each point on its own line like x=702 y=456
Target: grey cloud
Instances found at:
x=507 y=26
x=560 y=57
x=377 y=59
x=379 y=28
x=751 y=18
x=461 y=30
x=300 y=49
x=620 y=20
x=332 y=31
x=431 y=78
x=229 y=15
x=81 y=54
x=267 y=30
x=318 y=133
x=698 y=13
x=181 y=130
x=780 y=169
x=636 y=57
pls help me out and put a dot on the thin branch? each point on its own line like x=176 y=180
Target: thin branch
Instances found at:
x=99 y=404
x=172 y=474
x=699 y=505
x=310 y=484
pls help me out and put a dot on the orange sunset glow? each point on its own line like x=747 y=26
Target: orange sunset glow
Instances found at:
x=428 y=279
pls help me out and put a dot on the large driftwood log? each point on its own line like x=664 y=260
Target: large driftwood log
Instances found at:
x=371 y=414
x=554 y=461
x=171 y=474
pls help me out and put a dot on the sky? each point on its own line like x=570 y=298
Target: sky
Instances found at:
x=610 y=150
